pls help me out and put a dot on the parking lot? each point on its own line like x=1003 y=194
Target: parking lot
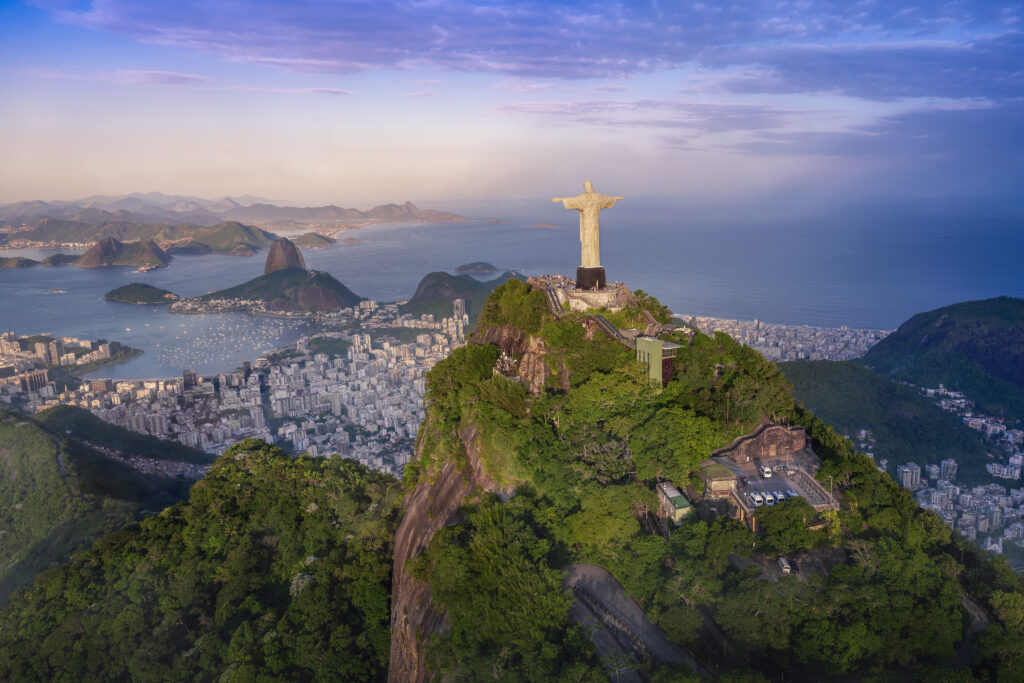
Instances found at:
x=789 y=475
x=784 y=481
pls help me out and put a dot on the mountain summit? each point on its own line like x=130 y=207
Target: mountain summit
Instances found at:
x=283 y=256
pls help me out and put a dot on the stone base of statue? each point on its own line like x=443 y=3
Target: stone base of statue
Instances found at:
x=590 y=278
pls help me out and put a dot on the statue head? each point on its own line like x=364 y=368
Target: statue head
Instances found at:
x=588 y=186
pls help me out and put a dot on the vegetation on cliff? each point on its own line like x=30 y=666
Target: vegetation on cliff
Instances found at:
x=884 y=581
x=140 y=293
x=276 y=568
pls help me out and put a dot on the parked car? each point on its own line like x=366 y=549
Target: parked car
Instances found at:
x=769 y=499
x=791 y=494
x=757 y=499
x=779 y=496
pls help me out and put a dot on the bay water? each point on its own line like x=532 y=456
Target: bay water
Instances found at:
x=863 y=270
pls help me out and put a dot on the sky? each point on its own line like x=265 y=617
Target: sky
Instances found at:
x=357 y=103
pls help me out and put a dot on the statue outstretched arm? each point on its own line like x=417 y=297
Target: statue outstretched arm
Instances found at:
x=568 y=202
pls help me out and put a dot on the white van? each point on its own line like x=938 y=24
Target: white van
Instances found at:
x=766 y=471
x=784 y=566
x=779 y=496
x=769 y=499
x=758 y=500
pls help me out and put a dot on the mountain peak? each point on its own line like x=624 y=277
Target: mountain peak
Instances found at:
x=283 y=256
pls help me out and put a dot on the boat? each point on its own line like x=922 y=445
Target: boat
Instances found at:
x=57 y=290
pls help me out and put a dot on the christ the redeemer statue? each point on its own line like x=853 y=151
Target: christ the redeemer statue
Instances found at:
x=590 y=274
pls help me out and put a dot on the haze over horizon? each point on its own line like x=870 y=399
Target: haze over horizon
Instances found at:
x=358 y=103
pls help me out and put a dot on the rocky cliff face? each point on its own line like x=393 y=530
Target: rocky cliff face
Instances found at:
x=283 y=256
x=533 y=370
x=432 y=505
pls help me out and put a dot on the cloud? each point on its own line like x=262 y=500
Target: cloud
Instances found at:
x=522 y=85
x=684 y=118
x=159 y=77
x=873 y=49
x=327 y=91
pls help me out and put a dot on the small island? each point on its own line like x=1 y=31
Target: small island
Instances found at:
x=140 y=293
x=23 y=262
x=313 y=240
x=544 y=225
x=477 y=268
x=497 y=221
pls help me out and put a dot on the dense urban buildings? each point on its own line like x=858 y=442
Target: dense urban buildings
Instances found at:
x=362 y=398
x=793 y=342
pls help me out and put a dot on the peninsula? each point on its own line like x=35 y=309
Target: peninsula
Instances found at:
x=113 y=252
x=286 y=287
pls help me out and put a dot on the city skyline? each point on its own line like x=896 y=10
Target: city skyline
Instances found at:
x=359 y=103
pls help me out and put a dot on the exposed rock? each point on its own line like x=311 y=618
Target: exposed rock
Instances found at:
x=431 y=506
x=414 y=619
x=533 y=368
x=283 y=256
x=511 y=340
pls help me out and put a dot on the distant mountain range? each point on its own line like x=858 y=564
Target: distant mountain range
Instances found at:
x=176 y=210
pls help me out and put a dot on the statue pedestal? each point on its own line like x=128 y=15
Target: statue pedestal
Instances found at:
x=590 y=278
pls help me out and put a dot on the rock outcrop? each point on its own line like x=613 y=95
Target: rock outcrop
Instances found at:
x=283 y=256
x=113 y=252
x=431 y=506
x=532 y=369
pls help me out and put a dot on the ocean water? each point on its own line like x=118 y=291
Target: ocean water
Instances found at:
x=864 y=270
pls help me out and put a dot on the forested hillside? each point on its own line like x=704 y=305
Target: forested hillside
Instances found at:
x=543 y=441
x=57 y=495
x=582 y=456
x=974 y=347
x=906 y=425
x=276 y=568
